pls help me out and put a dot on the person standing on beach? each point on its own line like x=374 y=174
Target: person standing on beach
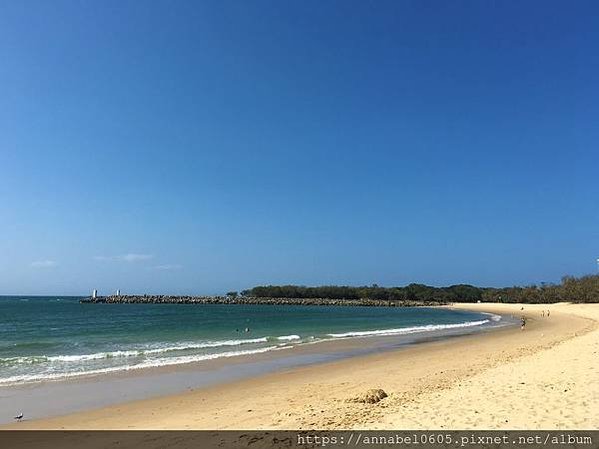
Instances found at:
x=523 y=323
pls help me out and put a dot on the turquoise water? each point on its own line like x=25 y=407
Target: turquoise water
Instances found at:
x=43 y=338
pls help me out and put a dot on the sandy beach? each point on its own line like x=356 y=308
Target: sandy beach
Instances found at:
x=545 y=377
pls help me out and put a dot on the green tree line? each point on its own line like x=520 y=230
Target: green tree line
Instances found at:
x=572 y=289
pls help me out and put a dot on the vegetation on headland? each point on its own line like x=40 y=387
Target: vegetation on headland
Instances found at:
x=583 y=289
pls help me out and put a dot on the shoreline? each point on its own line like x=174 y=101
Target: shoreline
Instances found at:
x=315 y=396
x=61 y=396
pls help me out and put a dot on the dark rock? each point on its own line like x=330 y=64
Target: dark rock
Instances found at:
x=168 y=299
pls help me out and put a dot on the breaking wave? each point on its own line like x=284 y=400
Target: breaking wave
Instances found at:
x=408 y=330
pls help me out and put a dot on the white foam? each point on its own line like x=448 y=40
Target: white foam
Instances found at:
x=95 y=356
x=494 y=317
x=408 y=330
x=142 y=351
x=22 y=360
x=153 y=363
x=288 y=337
x=207 y=344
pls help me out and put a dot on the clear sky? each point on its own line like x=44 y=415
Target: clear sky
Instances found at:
x=202 y=146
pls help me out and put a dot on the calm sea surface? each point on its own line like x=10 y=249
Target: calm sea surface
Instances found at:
x=43 y=338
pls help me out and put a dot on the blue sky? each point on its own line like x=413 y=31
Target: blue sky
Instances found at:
x=197 y=147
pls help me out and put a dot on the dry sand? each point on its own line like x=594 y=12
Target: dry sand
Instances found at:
x=545 y=377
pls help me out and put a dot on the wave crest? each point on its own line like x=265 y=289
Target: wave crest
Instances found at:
x=153 y=363
x=408 y=330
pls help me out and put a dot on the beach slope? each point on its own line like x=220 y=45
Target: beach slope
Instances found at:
x=544 y=377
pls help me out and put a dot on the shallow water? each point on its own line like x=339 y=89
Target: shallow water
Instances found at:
x=52 y=338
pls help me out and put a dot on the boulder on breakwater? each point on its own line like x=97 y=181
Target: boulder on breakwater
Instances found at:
x=170 y=299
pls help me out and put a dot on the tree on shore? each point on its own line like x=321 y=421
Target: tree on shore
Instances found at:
x=572 y=289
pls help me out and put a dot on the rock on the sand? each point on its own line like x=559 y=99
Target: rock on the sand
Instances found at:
x=371 y=396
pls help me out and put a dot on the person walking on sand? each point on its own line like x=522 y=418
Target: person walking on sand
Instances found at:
x=543 y=314
x=547 y=313
x=522 y=323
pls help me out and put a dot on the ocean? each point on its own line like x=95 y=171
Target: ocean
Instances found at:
x=53 y=338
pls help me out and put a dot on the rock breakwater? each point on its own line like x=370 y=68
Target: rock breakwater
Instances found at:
x=170 y=299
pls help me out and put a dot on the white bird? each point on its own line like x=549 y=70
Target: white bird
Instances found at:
x=19 y=417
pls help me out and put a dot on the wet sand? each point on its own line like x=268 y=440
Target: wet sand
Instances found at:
x=542 y=377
